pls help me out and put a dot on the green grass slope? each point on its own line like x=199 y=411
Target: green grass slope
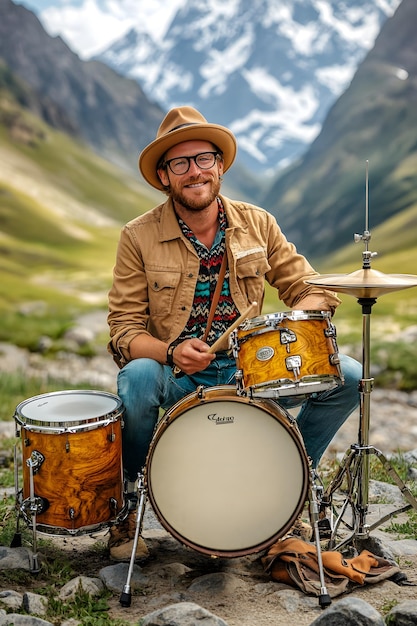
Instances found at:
x=61 y=209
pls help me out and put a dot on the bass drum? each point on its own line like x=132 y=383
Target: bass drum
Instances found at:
x=226 y=475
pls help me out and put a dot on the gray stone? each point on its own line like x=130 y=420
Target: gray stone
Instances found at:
x=216 y=583
x=92 y=586
x=293 y=601
x=22 y=620
x=11 y=599
x=33 y=603
x=349 y=612
x=182 y=614
x=166 y=599
x=384 y=492
x=173 y=571
x=404 y=614
x=14 y=558
x=114 y=577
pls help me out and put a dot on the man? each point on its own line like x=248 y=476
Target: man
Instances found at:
x=168 y=263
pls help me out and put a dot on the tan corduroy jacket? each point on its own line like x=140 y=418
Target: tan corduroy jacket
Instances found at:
x=157 y=268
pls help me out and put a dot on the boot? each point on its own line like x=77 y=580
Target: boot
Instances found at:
x=121 y=541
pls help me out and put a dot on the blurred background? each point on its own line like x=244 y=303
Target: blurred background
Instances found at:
x=314 y=90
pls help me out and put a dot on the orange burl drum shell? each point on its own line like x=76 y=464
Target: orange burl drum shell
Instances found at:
x=227 y=476
x=265 y=361
x=80 y=480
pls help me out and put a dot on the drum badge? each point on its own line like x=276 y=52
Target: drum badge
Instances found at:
x=265 y=353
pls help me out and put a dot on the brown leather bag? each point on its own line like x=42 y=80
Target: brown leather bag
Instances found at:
x=294 y=562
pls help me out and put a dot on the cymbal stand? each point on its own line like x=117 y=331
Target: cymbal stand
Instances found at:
x=355 y=465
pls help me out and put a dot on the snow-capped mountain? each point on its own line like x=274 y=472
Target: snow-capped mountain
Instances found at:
x=269 y=70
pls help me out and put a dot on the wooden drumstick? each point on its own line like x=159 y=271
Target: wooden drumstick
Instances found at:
x=231 y=328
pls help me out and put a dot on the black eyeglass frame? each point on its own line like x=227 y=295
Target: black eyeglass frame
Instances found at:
x=194 y=158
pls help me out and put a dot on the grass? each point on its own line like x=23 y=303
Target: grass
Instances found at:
x=57 y=569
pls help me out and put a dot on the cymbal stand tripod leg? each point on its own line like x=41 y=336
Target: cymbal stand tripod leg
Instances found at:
x=355 y=465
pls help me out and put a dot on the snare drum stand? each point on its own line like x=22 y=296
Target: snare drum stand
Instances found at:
x=355 y=465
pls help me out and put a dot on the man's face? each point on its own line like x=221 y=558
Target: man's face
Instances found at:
x=197 y=188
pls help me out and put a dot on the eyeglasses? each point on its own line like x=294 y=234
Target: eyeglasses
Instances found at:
x=181 y=165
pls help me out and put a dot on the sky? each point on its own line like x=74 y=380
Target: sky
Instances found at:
x=90 y=26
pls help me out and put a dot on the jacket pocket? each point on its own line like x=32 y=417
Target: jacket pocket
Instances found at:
x=162 y=287
x=250 y=271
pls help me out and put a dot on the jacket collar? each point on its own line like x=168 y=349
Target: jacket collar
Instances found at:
x=170 y=229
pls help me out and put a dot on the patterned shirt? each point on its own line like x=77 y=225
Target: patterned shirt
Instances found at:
x=210 y=263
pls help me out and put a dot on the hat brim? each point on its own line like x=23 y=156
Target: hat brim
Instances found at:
x=220 y=136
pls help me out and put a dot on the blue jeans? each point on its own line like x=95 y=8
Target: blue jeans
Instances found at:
x=144 y=386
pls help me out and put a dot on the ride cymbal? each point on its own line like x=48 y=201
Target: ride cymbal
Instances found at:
x=365 y=283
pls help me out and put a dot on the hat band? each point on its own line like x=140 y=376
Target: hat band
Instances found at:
x=182 y=126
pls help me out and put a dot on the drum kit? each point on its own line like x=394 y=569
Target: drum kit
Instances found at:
x=227 y=473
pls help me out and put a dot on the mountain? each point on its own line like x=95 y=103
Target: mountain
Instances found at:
x=61 y=210
x=320 y=201
x=88 y=99
x=268 y=70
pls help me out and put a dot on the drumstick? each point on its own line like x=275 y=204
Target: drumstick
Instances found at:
x=231 y=328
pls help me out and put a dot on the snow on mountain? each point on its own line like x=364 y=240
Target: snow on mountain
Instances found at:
x=269 y=70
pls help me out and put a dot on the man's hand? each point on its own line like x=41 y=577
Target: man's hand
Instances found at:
x=192 y=356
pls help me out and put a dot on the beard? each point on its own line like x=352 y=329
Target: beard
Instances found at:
x=198 y=203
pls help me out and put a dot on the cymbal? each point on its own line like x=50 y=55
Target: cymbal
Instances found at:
x=365 y=283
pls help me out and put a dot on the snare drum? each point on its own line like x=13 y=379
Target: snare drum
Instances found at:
x=286 y=354
x=227 y=476
x=71 y=443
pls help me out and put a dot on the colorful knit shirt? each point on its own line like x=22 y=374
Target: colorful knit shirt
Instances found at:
x=210 y=263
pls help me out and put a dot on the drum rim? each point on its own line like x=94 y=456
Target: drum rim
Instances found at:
x=73 y=425
x=265 y=404
x=292 y=315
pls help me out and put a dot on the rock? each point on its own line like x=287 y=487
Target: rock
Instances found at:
x=22 y=620
x=293 y=601
x=404 y=614
x=14 y=558
x=182 y=614
x=216 y=583
x=349 y=612
x=11 y=599
x=92 y=586
x=114 y=577
x=33 y=603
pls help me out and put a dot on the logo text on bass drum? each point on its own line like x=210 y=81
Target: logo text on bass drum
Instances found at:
x=221 y=419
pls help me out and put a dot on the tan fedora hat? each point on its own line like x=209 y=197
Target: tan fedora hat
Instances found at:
x=184 y=124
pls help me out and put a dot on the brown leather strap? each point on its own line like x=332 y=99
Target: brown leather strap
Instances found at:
x=216 y=295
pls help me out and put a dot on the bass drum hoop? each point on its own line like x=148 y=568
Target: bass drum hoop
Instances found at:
x=215 y=395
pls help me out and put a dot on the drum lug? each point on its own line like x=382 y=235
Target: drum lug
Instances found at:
x=111 y=437
x=200 y=392
x=240 y=390
x=334 y=359
x=293 y=364
x=33 y=506
x=286 y=336
x=330 y=331
x=35 y=461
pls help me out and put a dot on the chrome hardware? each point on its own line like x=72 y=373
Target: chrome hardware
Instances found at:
x=287 y=336
x=35 y=461
x=293 y=364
